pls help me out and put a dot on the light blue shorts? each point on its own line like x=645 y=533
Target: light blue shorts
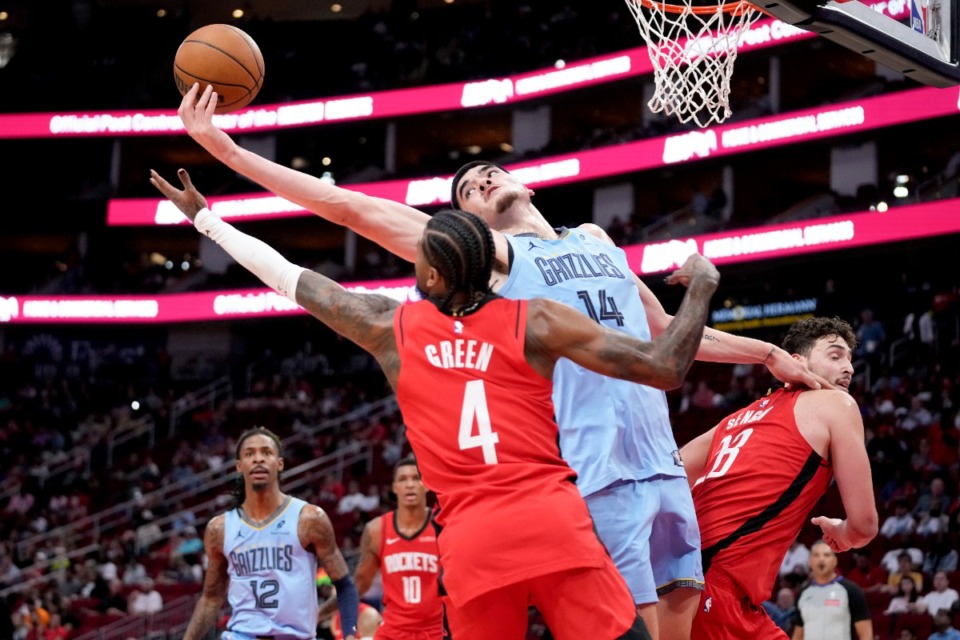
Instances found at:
x=650 y=530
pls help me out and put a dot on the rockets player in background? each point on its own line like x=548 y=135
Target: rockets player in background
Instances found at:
x=402 y=546
x=757 y=474
x=262 y=556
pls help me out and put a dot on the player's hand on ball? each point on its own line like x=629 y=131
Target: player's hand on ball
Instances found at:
x=197 y=109
x=188 y=200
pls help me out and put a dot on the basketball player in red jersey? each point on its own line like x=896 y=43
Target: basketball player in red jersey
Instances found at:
x=472 y=372
x=757 y=474
x=402 y=546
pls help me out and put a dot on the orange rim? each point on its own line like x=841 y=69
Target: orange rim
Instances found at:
x=735 y=8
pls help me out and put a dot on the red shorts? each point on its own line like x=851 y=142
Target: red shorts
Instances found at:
x=726 y=613
x=576 y=604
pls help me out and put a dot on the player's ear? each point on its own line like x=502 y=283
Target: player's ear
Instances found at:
x=279 y=464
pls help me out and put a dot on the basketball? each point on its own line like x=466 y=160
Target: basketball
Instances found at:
x=225 y=57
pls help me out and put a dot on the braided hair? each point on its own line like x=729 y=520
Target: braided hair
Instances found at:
x=459 y=245
x=239 y=491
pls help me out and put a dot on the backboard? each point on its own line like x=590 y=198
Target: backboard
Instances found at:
x=925 y=49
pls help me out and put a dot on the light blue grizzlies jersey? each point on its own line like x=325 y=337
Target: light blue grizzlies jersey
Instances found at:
x=272 y=577
x=610 y=429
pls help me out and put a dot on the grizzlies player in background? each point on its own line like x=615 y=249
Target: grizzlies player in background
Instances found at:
x=616 y=435
x=262 y=556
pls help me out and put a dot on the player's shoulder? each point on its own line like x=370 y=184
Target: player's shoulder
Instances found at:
x=829 y=400
x=213 y=532
x=596 y=231
x=312 y=513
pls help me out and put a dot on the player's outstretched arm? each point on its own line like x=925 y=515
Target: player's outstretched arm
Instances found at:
x=851 y=468
x=365 y=319
x=394 y=226
x=718 y=346
x=215 y=583
x=557 y=331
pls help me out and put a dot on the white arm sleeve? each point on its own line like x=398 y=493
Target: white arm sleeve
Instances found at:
x=256 y=256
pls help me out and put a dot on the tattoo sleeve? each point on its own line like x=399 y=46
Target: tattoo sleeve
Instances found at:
x=320 y=536
x=366 y=319
x=215 y=584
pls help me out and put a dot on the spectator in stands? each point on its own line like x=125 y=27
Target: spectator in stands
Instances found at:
x=56 y=630
x=871 y=336
x=783 y=612
x=943 y=623
x=191 y=543
x=823 y=609
x=147 y=533
x=932 y=498
x=146 y=600
x=891 y=559
x=134 y=572
x=918 y=417
x=352 y=500
x=943 y=596
x=797 y=559
x=907 y=598
x=865 y=575
x=900 y=522
x=941 y=556
x=113 y=603
x=905 y=569
x=9 y=572
x=933 y=523
x=331 y=490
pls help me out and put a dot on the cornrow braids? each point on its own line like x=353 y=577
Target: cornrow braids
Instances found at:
x=239 y=490
x=459 y=245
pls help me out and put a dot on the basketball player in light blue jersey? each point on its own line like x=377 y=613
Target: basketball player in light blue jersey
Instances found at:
x=262 y=556
x=618 y=439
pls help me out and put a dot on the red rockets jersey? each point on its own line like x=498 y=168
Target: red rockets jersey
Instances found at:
x=409 y=568
x=760 y=481
x=480 y=421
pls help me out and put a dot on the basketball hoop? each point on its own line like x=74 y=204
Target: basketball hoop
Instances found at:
x=692 y=49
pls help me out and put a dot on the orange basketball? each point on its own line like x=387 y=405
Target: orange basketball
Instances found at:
x=225 y=57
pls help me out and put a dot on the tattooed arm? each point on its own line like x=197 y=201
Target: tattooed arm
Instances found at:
x=316 y=534
x=214 y=583
x=365 y=319
x=718 y=346
x=555 y=331
x=366 y=569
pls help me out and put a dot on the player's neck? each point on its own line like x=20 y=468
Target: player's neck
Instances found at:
x=260 y=506
x=526 y=218
x=411 y=518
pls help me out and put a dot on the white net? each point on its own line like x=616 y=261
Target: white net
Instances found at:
x=692 y=51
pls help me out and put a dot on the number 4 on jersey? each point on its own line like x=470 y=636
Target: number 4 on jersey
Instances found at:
x=475 y=411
